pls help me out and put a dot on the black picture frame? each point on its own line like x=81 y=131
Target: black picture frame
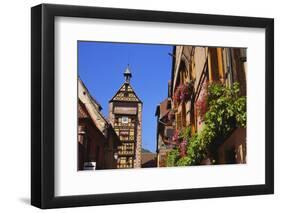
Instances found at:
x=43 y=105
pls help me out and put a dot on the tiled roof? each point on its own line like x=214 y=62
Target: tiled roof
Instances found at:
x=164 y=109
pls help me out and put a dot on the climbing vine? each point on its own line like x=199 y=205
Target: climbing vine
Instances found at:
x=226 y=110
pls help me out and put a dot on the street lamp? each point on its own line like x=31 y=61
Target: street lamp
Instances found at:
x=115 y=155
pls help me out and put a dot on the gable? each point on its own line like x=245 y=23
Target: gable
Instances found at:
x=126 y=94
x=90 y=107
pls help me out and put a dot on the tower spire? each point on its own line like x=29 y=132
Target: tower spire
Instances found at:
x=127 y=74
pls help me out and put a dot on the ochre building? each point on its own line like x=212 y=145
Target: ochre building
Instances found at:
x=193 y=68
x=113 y=143
x=125 y=115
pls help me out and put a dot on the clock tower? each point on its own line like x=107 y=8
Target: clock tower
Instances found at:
x=125 y=115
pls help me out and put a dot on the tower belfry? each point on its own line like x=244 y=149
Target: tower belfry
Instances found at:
x=125 y=115
x=127 y=75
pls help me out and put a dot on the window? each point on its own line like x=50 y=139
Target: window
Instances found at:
x=178 y=121
x=125 y=162
x=124 y=135
x=213 y=65
x=126 y=149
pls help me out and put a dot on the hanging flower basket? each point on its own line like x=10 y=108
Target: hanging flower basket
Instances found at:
x=186 y=91
x=183 y=92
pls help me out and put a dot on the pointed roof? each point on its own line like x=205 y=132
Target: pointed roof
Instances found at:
x=127 y=71
x=92 y=106
x=127 y=74
x=85 y=89
x=125 y=94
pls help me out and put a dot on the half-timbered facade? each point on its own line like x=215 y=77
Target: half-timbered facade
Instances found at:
x=125 y=115
x=194 y=68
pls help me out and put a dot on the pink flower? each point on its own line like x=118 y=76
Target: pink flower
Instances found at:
x=182 y=147
x=176 y=136
x=183 y=92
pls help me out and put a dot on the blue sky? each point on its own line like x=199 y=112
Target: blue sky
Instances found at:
x=101 y=66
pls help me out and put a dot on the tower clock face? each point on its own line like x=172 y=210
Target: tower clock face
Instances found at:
x=125 y=120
